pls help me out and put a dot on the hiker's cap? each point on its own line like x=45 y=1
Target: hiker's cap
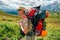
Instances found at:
x=21 y=8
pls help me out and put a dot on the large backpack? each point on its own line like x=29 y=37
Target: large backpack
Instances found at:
x=39 y=17
x=35 y=18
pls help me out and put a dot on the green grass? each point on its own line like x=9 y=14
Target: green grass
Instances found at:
x=53 y=28
x=9 y=27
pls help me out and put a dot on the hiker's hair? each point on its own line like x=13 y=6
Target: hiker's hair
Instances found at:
x=21 y=8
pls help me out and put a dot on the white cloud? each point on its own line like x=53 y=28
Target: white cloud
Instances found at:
x=45 y=2
x=27 y=3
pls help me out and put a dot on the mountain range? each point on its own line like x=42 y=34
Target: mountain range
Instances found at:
x=52 y=7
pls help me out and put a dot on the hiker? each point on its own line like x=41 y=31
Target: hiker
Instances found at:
x=24 y=22
x=37 y=18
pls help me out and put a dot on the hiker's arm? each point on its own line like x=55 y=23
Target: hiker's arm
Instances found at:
x=24 y=26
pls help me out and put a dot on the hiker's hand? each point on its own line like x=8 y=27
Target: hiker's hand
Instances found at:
x=25 y=30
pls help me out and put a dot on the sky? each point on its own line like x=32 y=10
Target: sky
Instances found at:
x=26 y=3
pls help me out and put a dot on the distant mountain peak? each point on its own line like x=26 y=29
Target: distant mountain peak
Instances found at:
x=53 y=7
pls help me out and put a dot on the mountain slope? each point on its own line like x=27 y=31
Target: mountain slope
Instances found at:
x=6 y=17
x=10 y=11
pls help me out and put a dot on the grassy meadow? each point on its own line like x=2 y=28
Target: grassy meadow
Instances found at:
x=9 y=27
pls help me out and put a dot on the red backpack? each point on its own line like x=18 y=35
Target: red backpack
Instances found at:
x=38 y=26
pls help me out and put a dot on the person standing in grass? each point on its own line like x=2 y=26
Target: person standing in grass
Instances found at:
x=24 y=21
x=25 y=30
